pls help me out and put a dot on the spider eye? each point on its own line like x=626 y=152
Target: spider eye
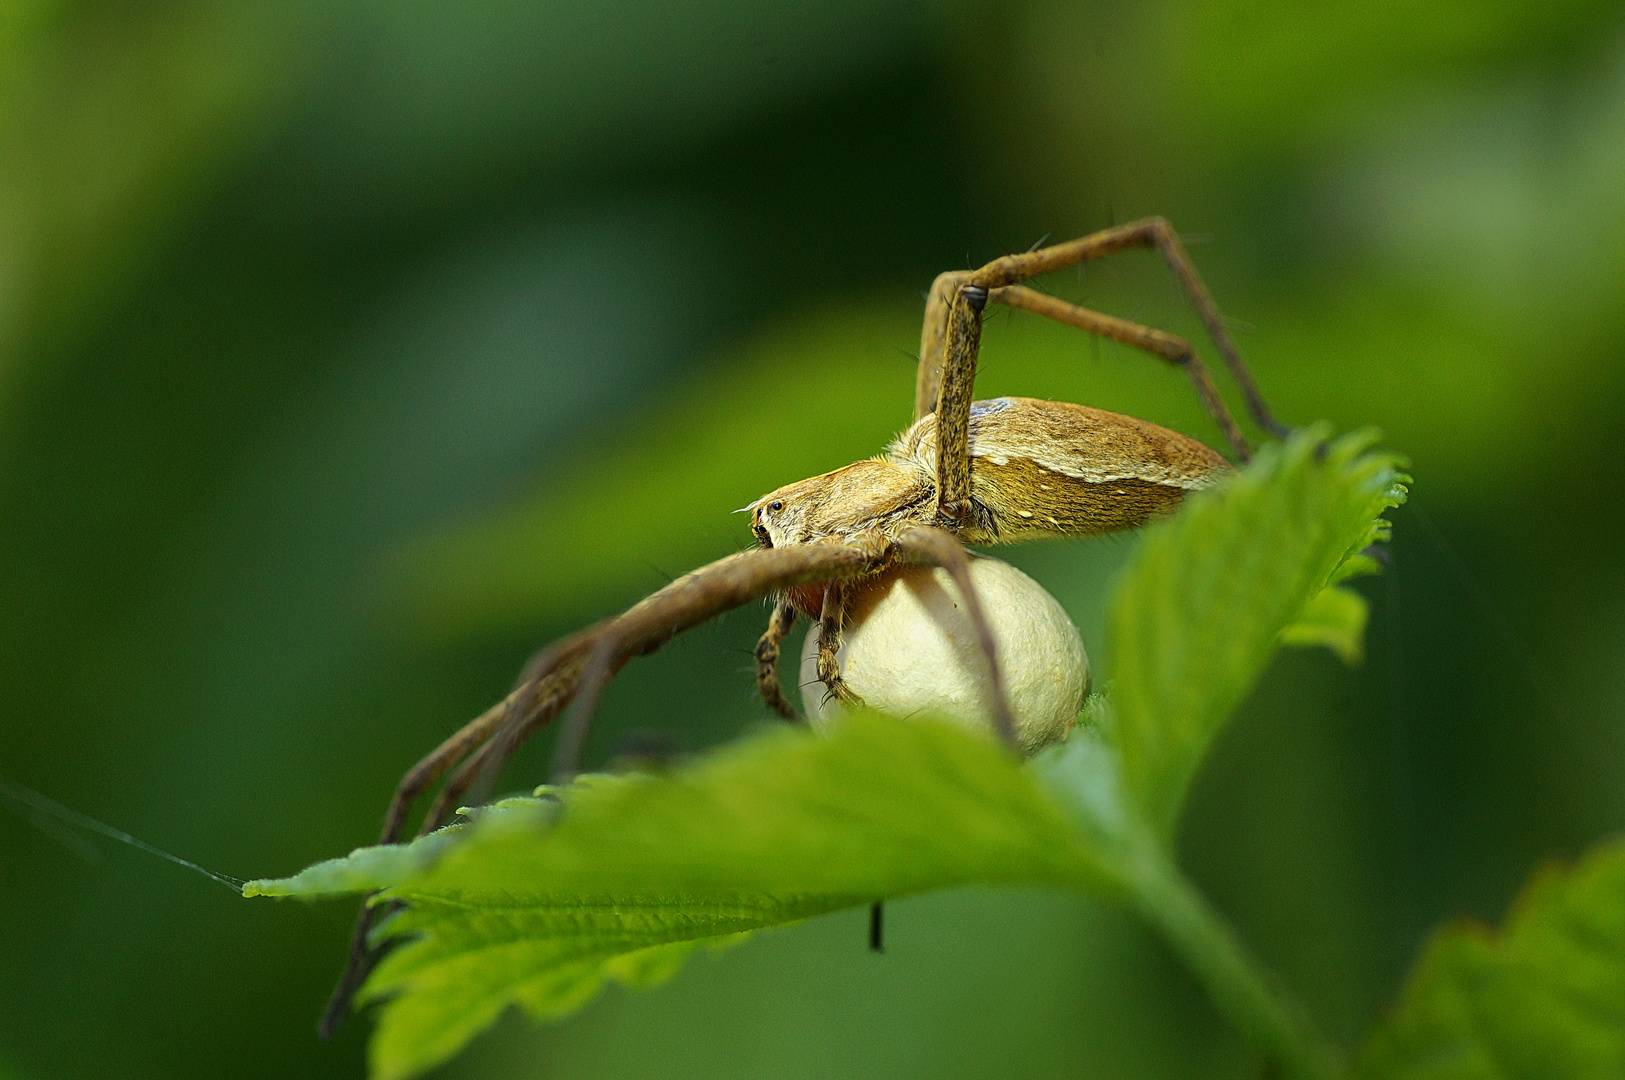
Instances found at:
x=775 y=506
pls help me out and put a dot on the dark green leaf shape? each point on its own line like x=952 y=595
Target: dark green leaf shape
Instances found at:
x=526 y=910
x=1544 y=998
x=1202 y=607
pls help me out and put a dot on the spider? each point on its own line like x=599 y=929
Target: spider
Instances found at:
x=965 y=472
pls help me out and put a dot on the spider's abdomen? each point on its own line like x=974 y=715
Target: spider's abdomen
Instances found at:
x=1047 y=468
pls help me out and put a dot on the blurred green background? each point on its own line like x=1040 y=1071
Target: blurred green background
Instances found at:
x=350 y=351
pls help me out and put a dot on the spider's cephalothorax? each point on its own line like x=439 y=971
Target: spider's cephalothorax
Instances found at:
x=986 y=472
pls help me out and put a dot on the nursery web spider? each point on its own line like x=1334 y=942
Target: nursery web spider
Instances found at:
x=986 y=472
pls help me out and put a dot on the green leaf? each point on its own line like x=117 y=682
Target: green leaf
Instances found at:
x=533 y=908
x=1544 y=998
x=1335 y=618
x=1202 y=607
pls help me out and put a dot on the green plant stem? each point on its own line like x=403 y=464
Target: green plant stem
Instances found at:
x=1271 y=1022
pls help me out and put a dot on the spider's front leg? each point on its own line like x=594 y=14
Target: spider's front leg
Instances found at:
x=829 y=645
x=963 y=341
x=779 y=625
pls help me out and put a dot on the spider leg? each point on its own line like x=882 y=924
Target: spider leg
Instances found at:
x=952 y=333
x=595 y=675
x=934 y=341
x=582 y=664
x=938 y=547
x=829 y=644
x=779 y=625
x=963 y=339
x=1176 y=350
x=422 y=775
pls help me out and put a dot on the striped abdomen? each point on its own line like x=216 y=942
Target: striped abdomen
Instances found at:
x=1048 y=468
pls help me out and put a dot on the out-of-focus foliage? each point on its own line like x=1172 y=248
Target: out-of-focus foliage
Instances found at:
x=304 y=309
x=596 y=519
x=1544 y=996
x=111 y=119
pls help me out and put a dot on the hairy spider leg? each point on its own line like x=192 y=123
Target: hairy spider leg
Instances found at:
x=951 y=336
x=599 y=669
x=779 y=625
x=964 y=338
x=830 y=623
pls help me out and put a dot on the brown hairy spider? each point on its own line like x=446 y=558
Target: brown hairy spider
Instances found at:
x=985 y=472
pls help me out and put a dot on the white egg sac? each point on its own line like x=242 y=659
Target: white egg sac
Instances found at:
x=909 y=649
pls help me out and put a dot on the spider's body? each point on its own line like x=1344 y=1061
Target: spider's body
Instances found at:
x=986 y=472
x=1039 y=469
